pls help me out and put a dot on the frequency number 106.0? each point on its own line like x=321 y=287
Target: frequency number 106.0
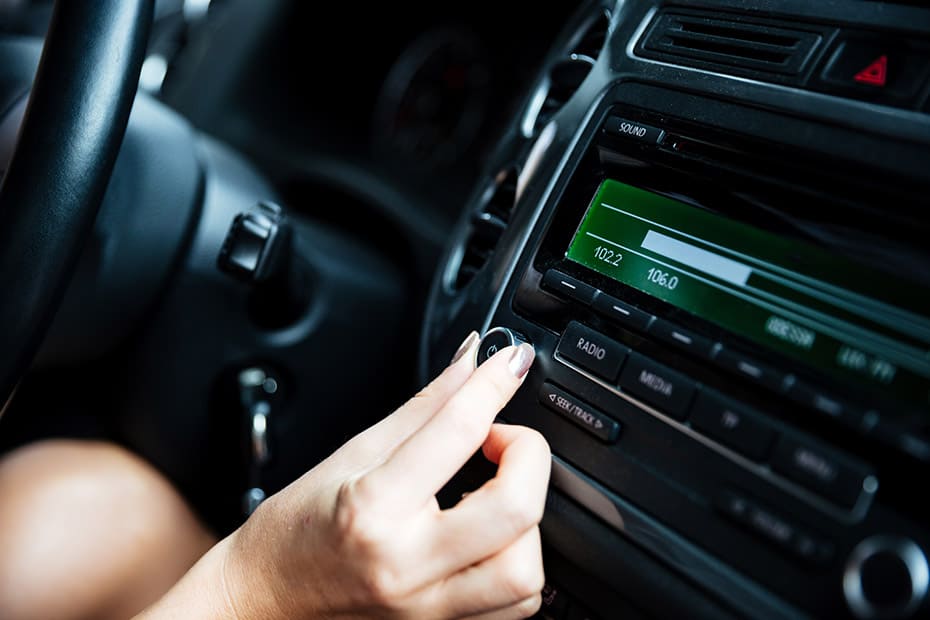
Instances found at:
x=662 y=278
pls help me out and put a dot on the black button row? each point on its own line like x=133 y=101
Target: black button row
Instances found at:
x=614 y=309
x=731 y=423
x=558 y=605
x=776 y=529
x=743 y=365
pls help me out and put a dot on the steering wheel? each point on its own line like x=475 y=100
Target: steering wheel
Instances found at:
x=68 y=143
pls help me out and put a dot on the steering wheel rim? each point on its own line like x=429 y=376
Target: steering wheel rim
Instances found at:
x=74 y=124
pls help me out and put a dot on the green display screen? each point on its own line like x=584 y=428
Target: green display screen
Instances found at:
x=849 y=320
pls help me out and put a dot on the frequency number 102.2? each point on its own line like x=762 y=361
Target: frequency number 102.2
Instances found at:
x=607 y=255
x=662 y=278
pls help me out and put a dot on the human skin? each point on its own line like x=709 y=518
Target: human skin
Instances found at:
x=89 y=530
x=362 y=536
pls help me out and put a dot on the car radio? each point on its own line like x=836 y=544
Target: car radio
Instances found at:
x=733 y=365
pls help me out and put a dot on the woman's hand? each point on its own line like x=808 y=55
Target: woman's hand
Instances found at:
x=361 y=535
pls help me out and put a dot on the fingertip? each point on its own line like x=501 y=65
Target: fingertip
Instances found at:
x=521 y=360
x=467 y=346
x=503 y=435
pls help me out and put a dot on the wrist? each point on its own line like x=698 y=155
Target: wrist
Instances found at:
x=201 y=593
x=250 y=580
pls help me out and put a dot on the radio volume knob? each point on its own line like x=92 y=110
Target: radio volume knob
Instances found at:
x=494 y=340
x=885 y=577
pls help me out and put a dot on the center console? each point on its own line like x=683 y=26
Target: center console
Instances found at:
x=741 y=371
x=731 y=310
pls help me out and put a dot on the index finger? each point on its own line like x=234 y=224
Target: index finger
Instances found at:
x=428 y=458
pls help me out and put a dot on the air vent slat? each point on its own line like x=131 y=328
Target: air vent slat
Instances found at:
x=488 y=224
x=740 y=32
x=752 y=46
x=724 y=51
x=739 y=46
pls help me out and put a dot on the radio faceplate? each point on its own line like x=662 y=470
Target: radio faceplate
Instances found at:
x=727 y=270
x=776 y=466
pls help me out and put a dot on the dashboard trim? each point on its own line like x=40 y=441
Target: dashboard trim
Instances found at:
x=540 y=207
x=813 y=96
x=745 y=595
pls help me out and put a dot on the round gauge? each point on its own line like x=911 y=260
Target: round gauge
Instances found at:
x=434 y=98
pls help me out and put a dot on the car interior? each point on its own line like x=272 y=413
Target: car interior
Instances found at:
x=234 y=234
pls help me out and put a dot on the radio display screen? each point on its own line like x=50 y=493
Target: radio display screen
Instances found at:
x=829 y=312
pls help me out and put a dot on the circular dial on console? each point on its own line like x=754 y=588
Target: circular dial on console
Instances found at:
x=494 y=340
x=886 y=577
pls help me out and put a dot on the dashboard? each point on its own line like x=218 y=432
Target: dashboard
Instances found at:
x=710 y=221
x=708 y=217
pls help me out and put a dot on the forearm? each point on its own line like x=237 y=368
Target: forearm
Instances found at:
x=202 y=593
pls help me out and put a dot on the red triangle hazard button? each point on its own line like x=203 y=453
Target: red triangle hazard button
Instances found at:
x=875 y=74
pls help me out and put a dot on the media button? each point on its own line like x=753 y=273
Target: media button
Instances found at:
x=567 y=286
x=658 y=385
x=592 y=351
x=732 y=424
x=820 y=471
x=682 y=338
x=621 y=312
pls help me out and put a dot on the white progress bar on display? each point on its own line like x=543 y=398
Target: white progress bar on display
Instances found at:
x=712 y=264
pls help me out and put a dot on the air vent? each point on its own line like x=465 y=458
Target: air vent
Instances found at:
x=566 y=75
x=486 y=227
x=754 y=47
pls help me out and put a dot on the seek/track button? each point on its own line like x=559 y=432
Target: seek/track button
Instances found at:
x=579 y=412
x=592 y=351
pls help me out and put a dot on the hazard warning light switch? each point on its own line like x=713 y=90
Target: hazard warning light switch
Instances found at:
x=882 y=70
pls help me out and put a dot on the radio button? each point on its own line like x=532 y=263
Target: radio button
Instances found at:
x=570 y=287
x=820 y=471
x=682 y=338
x=658 y=385
x=732 y=424
x=592 y=351
x=621 y=312
x=579 y=412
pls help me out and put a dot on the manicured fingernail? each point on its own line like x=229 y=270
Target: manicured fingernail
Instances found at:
x=465 y=347
x=521 y=360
